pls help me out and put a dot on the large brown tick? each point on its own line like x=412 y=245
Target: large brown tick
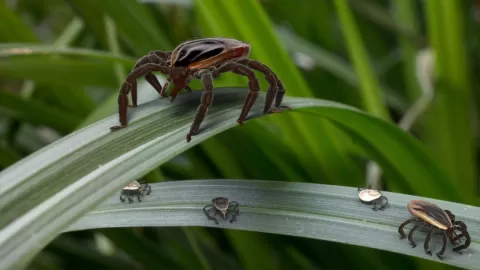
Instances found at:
x=204 y=59
x=430 y=216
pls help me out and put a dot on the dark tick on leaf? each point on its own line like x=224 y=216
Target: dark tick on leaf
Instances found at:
x=372 y=196
x=203 y=59
x=430 y=216
x=221 y=205
x=134 y=189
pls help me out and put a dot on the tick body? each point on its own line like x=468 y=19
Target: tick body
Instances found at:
x=431 y=217
x=135 y=189
x=221 y=205
x=372 y=196
x=203 y=59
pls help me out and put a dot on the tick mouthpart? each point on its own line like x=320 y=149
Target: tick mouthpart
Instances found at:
x=178 y=85
x=224 y=213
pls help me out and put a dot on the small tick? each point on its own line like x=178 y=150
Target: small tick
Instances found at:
x=372 y=196
x=223 y=206
x=134 y=189
x=430 y=216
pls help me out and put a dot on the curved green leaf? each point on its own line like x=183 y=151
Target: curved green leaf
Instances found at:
x=391 y=149
x=94 y=163
x=11 y=50
x=324 y=212
x=335 y=65
x=135 y=23
x=66 y=66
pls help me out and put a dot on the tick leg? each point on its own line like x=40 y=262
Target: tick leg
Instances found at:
x=215 y=217
x=130 y=200
x=126 y=87
x=444 y=246
x=122 y=199
x=410 y=236
x=164 y=89
x=400 y=228
x=269 y=76
x=186 y=84
x=161 y=54
x=234 y=218
x=276 y=91
x=133 y=93
x=122 y=106
x=253 y=85
x=384 y=202
x=374 y=205
x=427 y=242
x=459 y=225
x=235 y=213
x=233 y=204
x=207 y=213
x=450 y=215
x=153 y=81
x=149 y=189
x=153 y=57
x=458 y=237
x=464 y=245
x=205 y=101
x=138 y=198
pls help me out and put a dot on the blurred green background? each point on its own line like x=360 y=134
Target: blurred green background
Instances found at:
x=363 y=53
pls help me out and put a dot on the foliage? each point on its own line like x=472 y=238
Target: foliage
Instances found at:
x=61 y=64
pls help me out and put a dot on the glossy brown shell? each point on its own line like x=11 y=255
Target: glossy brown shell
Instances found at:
x=430 y=213
x=206 y=52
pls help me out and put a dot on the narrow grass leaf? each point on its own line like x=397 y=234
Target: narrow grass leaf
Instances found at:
x=12 y=28
x=94 y=162
x=141 y=249
x=59 y=71
x=336 y=66
x=11 y=50
x=382 y=142
x=450 y=131
x=135 y=24
x=324 y=212
x=370 y=91
x=37 y=113
x=381 y=16
x=248 y=21
x=405 y=11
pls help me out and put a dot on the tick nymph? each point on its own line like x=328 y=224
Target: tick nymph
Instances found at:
x=431 y=217
x=134 y=189
x=223 y=206
x=204 y=59
x=372 y=196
